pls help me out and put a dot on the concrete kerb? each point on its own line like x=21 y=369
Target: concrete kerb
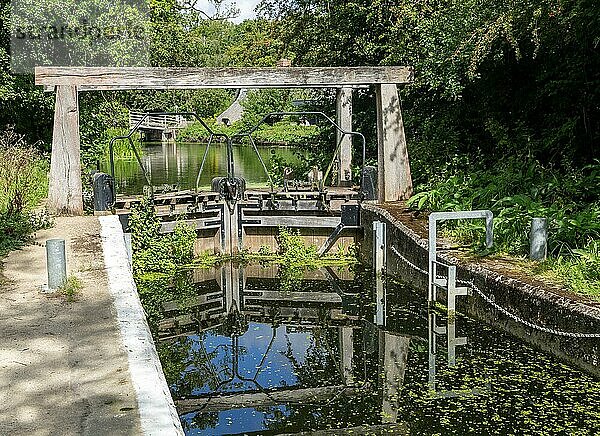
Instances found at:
x=158 y=415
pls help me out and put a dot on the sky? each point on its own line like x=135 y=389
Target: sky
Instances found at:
x=246 y=8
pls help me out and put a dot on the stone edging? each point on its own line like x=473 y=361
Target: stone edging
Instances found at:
x=532 y=303
x=158 y=415
x=536 y=291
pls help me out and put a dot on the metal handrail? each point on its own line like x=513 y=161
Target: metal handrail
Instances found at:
x=317 y=113
x=137 y=156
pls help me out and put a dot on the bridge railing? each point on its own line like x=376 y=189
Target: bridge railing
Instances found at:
x=156 y=121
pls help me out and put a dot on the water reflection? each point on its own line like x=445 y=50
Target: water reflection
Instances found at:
x=178 y=164
x=246 y=353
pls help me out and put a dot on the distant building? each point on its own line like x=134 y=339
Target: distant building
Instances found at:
x=234 y=112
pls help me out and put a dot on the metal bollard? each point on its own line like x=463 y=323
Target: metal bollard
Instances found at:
x=56 y=262
x=538 y=239
x=103 y=192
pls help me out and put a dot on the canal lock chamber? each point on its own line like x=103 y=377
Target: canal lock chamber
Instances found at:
x=257 y=348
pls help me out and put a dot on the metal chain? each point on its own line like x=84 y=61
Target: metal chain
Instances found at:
x=525 y=322
x=395 y=250
x=502 y=309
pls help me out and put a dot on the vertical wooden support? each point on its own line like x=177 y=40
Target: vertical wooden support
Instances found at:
x=344 y=120
x=394 y=178
x=347 y=354
x=64 y=191
x=393 y=356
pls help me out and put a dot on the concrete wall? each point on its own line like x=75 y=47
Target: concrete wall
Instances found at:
x=531 y=303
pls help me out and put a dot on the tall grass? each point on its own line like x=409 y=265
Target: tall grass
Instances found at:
x=99 y=150
x=23 y=182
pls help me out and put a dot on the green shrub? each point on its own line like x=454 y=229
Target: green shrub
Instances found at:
x=292 y=247
x=517 y=190
x=23 y=183
x=196 y=132
x=23 y=174
x=156 y=252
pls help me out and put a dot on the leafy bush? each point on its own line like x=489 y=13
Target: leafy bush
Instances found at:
x=196 y=132
x=293 y=249
x=517 y=190
x=259 y=103
x=23 y=174
x=23 y=182
x=156 y=252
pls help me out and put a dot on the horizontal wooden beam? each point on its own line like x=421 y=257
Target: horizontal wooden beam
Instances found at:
x=297 y=297
x=239 y=400
x=123 y=78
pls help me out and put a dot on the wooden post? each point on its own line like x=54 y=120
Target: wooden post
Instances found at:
x=64 y=191
x=344 y=120
x=347 y=354
x=393 y=356
x=394 y=179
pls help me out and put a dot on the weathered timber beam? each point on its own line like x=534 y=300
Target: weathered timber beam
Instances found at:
x=122 y=78
x=64 y=190
x=393 y=168
x=235 y=400
x=344 y=119
x=299 y=297
x=293 y=221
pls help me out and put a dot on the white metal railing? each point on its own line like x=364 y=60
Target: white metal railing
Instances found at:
x=156 y=121
x=450 y=282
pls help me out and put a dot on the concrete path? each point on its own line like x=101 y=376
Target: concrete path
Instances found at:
x=63 y=369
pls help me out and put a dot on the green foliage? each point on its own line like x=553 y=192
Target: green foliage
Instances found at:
x=196 y=132
x=156 y=252
x=283 y=132
x=286 y=132
x=23 y=174
x=516 y=190
x=23 y=182
x=260 y=102
x=292 y=248
x=580 y=272
x=71 y=289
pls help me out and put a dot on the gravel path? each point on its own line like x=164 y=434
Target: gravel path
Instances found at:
x=63 y=369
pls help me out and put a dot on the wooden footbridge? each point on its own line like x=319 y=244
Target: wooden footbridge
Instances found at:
x=157 y=127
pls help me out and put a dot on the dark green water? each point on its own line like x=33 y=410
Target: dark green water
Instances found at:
x=178 y=164
x=258 y=350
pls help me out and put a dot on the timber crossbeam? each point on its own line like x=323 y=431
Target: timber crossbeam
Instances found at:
x=123 y=78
